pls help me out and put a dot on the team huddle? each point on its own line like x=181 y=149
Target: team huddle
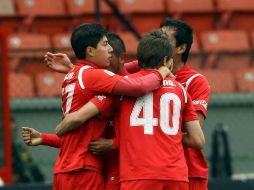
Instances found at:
x=129 y=126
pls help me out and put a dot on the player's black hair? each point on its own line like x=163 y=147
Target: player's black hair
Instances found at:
x=152 y=49
x=183 y=34
x=116 y=43
x=87 y=34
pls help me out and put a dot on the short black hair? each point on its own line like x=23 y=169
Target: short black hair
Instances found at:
x=87 y=34
x=116 y=43
x=152 y=49
x=183 y=34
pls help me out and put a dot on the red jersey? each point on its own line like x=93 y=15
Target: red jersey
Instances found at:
x=198 y=88
x=79 y=86
x=150 y=133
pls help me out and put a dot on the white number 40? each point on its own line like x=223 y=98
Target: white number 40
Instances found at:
x=146 y=103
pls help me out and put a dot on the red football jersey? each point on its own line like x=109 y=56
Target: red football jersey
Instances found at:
x=150 y=133
x=81 y=84
x=198 y=88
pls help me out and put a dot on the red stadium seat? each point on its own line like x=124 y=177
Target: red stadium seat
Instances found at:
x=231 y=47
x=20 y=86
x=252 y=39
x=145 y=15
x=7 y=8
x=225 y=40
x=131 y=42
x=28 y=44
x=245 y=80
x=44 y=16
x=237 y=13
x=198 y=13
x=40 y=7
x=49 y=84
x=61 y=43
x=140 y=6
x=85 y=7
x=220 y=81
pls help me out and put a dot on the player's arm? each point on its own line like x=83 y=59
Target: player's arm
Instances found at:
x=75 y=119
x=101 y=81
x=199 y=90
x=193 y=136
x=58 y=62
x=32 y=137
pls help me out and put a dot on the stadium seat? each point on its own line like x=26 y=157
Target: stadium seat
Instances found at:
x=198 y=13
x=236 y=13
x=44 y=16
x=40 y=7
x=252 y=39
x=220 y=81
x=231 y=48
x=61 y=43
x=85 y=7
x=140 y=6
x=28 y=44
x=20 y=86
x=131 y=42
x=245 y=80
x=145 y=15
x=7 y=8
x=49 y=84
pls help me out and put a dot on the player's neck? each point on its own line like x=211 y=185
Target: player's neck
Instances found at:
x=177 y=66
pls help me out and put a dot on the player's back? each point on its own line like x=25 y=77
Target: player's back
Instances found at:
x=74 y=153
x=151 y=134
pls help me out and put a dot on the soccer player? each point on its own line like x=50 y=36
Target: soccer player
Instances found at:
x=198 y=88
x=76 y=167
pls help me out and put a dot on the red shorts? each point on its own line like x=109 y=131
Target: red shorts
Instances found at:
x=80 y=180
x=154 y=184
x=198 y=184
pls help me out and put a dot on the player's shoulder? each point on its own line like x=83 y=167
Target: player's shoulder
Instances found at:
x=196 y=78
x=98 y=72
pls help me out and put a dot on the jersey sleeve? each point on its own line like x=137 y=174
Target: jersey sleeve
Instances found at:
x=189 y=113
x=104 y=104
x=199 y=90
x=99 y=81
x=132 y=67
x=50 y=140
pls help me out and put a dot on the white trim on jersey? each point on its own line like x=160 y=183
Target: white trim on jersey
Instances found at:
x=80 y=76
x=190 y=79
x=184 y=92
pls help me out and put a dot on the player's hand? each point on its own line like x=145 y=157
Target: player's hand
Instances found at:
x=31 y=137
x=58 y=62
x=101 y=146
x=165 y=71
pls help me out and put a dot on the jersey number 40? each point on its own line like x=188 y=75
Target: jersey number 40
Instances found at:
x=149 y=122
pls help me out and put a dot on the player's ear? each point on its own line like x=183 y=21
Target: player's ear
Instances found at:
x=181 y=49
x=122 y=58
x=90 y=51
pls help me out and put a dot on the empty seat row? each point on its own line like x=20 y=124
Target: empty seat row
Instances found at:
x=145 y=14
x=228 y=82
x=209 y=41
x=73 y=7
x=46 y=84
